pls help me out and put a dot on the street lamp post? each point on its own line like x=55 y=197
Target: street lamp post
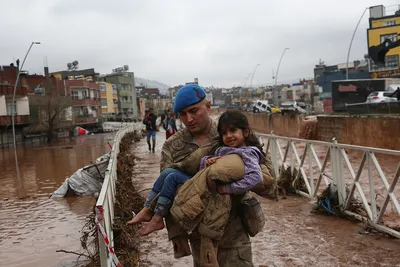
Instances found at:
x=14 y=109
x=277 y=72
x=241 y=90
x=254 y=72
x=351 y=42
x=248 y=76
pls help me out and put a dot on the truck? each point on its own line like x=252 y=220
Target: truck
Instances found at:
x=357 y=90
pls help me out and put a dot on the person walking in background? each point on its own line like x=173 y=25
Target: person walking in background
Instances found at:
x=169 y=125
x=164 y=116
x=151 y=128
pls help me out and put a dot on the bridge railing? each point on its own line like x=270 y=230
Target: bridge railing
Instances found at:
x=106 y=200
x=355 y=170
x=305 y=156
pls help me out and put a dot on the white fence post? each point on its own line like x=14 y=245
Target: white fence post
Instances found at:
x=337 y=172
x=274 y=159
x=371 y=187
x=310 y=168
x=291 y=158
x=102 y=246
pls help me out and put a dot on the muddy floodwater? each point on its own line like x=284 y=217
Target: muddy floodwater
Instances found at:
x=33 y=226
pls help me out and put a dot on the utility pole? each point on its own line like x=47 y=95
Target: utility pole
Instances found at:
x=276 y=78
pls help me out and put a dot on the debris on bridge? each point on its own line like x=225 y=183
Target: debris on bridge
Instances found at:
x=328 y=203
x=288 y=181
x=128 y=199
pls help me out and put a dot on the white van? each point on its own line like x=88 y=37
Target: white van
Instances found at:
x=264 y=106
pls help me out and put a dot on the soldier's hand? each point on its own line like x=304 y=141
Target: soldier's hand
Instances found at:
x=222 y=189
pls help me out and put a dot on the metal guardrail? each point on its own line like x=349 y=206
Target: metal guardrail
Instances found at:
x=336 y=160
x=106 y=199
x=385 y=108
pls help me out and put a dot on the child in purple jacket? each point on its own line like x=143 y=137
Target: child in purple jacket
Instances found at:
x=236 y=137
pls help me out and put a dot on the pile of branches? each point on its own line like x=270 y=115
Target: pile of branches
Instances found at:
x=90 y=242
x=289 y=182
x=128 y=199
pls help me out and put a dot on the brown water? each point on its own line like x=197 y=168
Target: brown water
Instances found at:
x=33 y=226
x=292 y=235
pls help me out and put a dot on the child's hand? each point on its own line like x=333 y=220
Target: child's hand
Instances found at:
x=211 y=161
x=222 y=189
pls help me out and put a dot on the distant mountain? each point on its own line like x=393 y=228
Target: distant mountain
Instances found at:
x=152 y=84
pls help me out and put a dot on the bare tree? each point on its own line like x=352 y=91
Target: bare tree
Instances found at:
x=51 y=112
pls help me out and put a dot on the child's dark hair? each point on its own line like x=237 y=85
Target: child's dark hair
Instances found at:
x=236 y=119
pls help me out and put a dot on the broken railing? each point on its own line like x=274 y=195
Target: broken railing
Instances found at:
x=319 y=163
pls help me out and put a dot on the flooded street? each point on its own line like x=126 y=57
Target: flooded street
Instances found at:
x=33 y=226
x=292 y=236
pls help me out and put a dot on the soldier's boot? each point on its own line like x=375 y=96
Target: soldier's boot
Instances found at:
x=181 y=246
x=208 y=252
x=154 y=145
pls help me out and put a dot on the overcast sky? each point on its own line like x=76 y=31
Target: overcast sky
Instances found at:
x=174 y=41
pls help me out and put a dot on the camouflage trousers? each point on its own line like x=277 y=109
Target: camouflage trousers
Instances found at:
x=234 y=249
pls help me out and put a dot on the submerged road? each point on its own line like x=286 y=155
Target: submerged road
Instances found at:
x=32 y=226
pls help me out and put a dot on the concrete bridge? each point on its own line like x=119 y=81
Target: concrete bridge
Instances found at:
x=293 y=235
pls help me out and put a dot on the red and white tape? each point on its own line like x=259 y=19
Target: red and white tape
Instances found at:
x=100 y=216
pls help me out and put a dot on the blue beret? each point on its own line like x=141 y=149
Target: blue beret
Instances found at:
x=188 y=95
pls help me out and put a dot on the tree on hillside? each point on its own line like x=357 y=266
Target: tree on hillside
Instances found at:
x=50 y=113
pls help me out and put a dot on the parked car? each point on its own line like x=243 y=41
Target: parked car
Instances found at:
x=274 y=108
x=293 y=107
x=381 y=97
x=264 y=106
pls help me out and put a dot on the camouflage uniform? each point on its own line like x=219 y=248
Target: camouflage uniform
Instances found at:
x=235 y=248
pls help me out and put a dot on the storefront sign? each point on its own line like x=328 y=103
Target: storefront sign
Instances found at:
x=386 y=73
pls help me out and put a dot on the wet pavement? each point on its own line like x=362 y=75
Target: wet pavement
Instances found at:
x=33 y=226
x=292 y=236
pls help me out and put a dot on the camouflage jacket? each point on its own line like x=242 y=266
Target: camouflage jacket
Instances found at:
x=181 y=152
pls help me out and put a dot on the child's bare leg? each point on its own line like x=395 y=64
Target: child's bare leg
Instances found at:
x=156 y=223
x=143 y=216
x=146 y=213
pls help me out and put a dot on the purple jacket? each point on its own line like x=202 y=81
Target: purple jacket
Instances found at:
x=252 y=157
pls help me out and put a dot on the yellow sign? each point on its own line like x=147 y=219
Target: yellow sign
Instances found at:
x=386 y=73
